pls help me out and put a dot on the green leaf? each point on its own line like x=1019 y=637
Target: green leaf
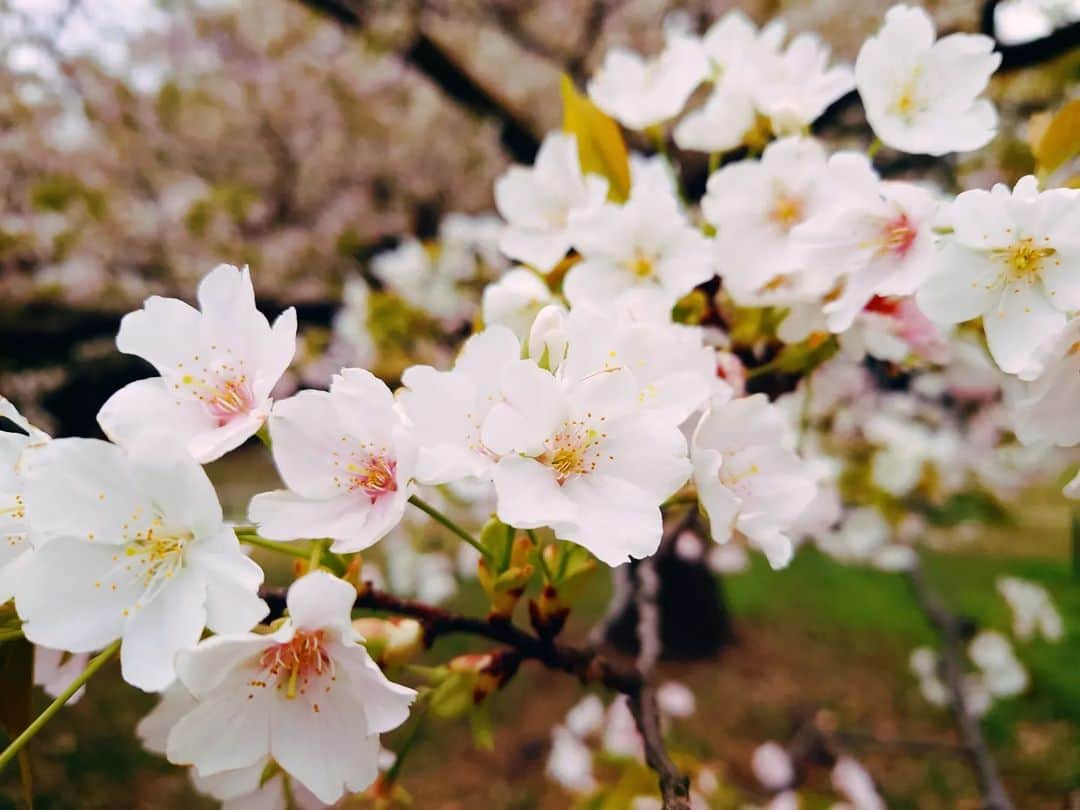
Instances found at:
x=498 y=538
x=601 y=148
x=482 y=726
x=972 y=506
x=453 y=697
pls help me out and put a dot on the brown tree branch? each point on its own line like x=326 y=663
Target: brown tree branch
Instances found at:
x=950 y=630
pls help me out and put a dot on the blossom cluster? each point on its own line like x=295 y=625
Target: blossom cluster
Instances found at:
x=622 y=332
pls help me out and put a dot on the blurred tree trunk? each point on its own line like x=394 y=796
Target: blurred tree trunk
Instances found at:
x=694 y=619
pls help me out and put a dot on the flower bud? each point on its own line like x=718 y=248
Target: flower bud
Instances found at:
x=390 y=641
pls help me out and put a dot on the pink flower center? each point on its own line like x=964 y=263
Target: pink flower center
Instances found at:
x=898 y=235
x=374 y=474
x=296 y=663
x=224 y=398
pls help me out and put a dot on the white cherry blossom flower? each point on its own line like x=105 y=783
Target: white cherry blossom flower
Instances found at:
x=865 y=537
x=569 y=762
x=772 y=766
x=735 y=51
x=428 y=276
x=855 y=783
x=922 y=96
x=230 y=787
x=583 y=457
x=748 y=476
x=648 y=242
x=217 y=367
x=348 y=462
x=1002 y=673
x=15 y=527
x=673 y=369
x=1043 y=411
x=793 y=89
x=1014 y=259
x=755 y=205
x=640 y=93
x=721 y=123
x=307 y=695
x=876 y=234
x=514 y=300
x=586 y=717
x=139 y=552
x=1033 y=610
x=537 y=201
x=54 y=670
x=446 y=409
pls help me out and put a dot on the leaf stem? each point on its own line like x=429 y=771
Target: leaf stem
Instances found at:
x=443 y=520
x=96 y=663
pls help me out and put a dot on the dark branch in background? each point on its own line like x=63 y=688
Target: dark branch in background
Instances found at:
x=587 y=665
x=1057 y=43
x=952 y=631
x=440 y=67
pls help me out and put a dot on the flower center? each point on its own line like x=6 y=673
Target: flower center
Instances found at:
x=641 y=265
x=295 y=663
x=225 y=396
x=151 y=558
x=1022 y=259
x=15 y=508
x=376 y=476
x=573 y=450
x=786 y=211
x=908 y=101
x=897 y=236
x=372 y=473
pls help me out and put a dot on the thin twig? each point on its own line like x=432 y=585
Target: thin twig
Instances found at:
x=949 y=628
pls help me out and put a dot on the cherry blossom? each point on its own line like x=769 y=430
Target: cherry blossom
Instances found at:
x=15 y=527
x=755 y=206
x=1043 y=411
x=674 y=371
x=446 y=409
x=537 y=202
x=139 y=553
x=794 y=88
x=1014 y=259
x=735 y=49
x=1033 y=610
x=582 y=457
x=922 y=95
x=748 y=477
x=646 y=242
x=348 y=462
x=514 y=300
x=877 y=234
x=307 y=695
x=640 y=93
x=217 y=367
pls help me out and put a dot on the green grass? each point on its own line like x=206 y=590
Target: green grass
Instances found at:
x=856 y=603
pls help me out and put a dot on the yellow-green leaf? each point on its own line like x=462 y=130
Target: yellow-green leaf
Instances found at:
x=601 y=148
x=1060 y=141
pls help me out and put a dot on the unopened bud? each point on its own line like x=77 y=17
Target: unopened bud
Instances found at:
x=391 y=641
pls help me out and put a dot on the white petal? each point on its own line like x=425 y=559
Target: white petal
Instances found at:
x=319 y=600
x=153 y=634
x=66 y=596
x=528 y=495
